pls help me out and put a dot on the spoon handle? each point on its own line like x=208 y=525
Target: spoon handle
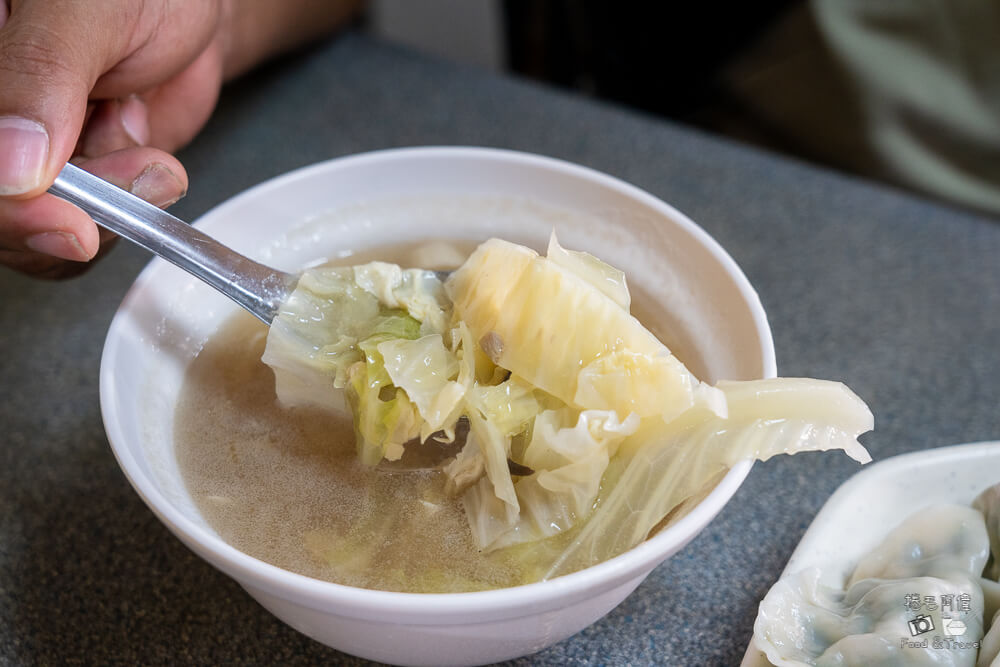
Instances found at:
x=258 y=288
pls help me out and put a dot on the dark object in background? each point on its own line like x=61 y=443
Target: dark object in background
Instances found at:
x=662 y=57
x=902 y=92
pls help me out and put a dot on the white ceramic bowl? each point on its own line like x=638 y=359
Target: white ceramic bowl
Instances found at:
x=715 y=321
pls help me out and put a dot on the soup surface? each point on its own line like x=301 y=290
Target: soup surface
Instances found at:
x=284 y=485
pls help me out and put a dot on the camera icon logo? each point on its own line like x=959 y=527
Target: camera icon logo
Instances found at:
x=920 y=625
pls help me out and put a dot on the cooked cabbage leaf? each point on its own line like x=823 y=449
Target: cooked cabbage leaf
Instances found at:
x=568 y=453
x=418 y=292
x=556 y=330
x=677 y=459
x=324 y=349
x=604 y=277
x=428 y=372
x=510 y=405
x=384 y=417
x=582 y=425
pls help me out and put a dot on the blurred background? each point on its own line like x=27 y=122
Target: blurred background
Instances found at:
x=903 y=91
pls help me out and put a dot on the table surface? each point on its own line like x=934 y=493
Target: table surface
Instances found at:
x=896 y=296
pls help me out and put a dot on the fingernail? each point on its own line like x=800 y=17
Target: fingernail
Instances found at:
x=58 y=244
x=135 y=119
x=24 y=147
x=158 y=185
x=4 y=12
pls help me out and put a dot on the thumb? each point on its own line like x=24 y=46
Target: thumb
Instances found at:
x=50 y=56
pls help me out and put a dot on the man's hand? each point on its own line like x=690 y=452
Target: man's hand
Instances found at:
x=116 y=86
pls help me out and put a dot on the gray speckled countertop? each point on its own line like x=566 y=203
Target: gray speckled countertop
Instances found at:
x=897 y=297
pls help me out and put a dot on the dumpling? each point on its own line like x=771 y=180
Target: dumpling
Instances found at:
x=914 y=600
x=989 y=652
x=935 y=541
x=802 y=622
x=988 y=502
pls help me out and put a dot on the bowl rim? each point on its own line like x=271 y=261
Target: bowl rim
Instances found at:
x=447 y=607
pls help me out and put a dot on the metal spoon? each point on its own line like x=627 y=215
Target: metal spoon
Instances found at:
x=258 y=288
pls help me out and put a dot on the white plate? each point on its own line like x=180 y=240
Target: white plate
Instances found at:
x=871 y=503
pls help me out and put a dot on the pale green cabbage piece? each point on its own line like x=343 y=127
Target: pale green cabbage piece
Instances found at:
x=510 y=405
x=420 y=293
x=428 y=372
x=674 y=461
x=313 y=339
x=324 y=349
x=604 y=277
x=569 y=452
x=491 y=504
x=384 y=417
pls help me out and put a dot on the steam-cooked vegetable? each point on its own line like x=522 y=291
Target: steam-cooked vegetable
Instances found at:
x=585 y=431
x=327 y=347
x=564 y=335
x=677 y=460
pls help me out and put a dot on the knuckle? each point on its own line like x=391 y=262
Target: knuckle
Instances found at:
x=39 y=53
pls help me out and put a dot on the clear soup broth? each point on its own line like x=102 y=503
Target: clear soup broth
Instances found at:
x=284 y=486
